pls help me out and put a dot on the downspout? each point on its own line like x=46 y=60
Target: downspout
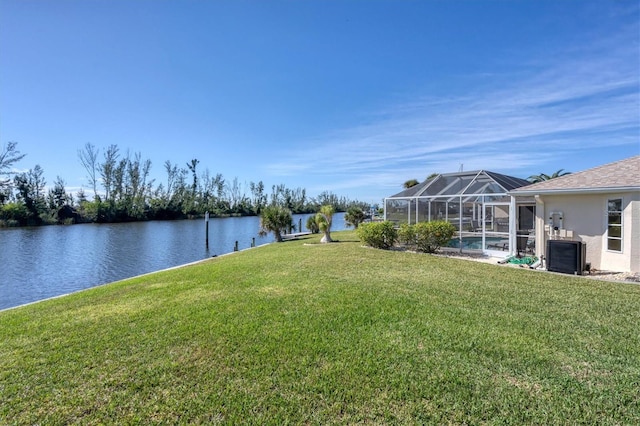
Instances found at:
x=540 y=222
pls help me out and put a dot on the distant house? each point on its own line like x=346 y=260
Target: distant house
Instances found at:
x=599 y=207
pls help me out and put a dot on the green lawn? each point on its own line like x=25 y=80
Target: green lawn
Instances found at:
x=300 y=332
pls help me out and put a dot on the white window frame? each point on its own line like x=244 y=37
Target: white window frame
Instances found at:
x=619 y=225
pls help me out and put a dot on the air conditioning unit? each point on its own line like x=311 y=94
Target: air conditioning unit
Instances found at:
x=567 y=257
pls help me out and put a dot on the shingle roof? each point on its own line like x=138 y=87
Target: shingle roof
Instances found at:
x=623 y=174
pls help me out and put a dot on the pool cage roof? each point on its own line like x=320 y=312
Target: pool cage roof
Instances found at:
x=463 y=184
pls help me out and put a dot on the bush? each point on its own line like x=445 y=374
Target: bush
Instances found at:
x=380 y=235
x=407 y=235
x=13 y=213
x=430 y=236
x=427 y=237
x=93 y=211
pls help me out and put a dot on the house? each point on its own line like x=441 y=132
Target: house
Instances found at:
x=504 y=216
x=599 y=207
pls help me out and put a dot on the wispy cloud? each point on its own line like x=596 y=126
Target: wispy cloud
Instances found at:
x=583 y=98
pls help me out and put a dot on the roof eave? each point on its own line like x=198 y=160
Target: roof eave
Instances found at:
x=493 y=194
x=614 y=189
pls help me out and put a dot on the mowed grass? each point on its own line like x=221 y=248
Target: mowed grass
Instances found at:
x=300 y=332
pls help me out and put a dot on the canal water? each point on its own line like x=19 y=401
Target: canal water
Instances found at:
x=41 y=262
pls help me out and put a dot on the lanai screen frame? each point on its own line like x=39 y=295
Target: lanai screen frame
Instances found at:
x=442 y=197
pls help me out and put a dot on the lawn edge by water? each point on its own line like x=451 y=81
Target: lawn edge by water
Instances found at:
x=195 y=262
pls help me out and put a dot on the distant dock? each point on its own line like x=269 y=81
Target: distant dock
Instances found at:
x=294 y=235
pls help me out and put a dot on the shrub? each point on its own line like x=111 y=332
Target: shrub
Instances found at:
x=430 y=236
x=13 y=212
x=407 y=235
x=380 y=235
x=93 y=211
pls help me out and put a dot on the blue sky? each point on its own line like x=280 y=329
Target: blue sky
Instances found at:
x=352 y=97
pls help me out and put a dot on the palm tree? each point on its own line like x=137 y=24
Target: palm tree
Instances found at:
x=410 y=183
x=312 y=225
x=544 y=177
x=354 y=216
x=323 y=219
x=274 y=219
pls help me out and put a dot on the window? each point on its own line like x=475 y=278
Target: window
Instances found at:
x=614 y=225
x=526 y=216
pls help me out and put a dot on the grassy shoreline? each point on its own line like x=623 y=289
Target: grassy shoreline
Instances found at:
x=126 y=279
x=309 y=333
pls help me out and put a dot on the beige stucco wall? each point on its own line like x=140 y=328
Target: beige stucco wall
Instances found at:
x=633 y=219
x=585 y=217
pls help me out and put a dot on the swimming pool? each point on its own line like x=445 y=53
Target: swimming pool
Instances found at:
x=475 y=243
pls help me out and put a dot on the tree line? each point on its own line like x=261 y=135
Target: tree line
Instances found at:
x=120 y=189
